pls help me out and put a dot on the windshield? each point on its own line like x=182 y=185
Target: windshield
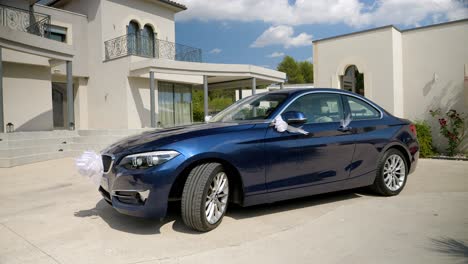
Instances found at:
x=256 y=107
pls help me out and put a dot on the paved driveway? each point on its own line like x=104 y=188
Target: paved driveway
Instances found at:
x=49 y=214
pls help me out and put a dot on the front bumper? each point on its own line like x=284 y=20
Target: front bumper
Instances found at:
x=141 y=193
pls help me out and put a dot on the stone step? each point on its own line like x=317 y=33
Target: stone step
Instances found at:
x=30 y=150
x=21 y=143
x=28 y=147
x=37 y=157
x=112 y=132
x=38 y=135
x=101 y=139
x=89 y=146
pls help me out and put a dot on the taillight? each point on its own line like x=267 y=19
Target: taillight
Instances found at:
x=412 y=127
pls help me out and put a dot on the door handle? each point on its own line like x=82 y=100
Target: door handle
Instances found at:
x=344 y=129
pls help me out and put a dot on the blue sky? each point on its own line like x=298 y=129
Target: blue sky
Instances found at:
x=250 y=31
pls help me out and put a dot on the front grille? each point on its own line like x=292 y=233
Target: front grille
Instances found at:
x=107 y=162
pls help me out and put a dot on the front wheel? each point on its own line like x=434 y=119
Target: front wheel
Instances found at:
x=392 y=173
x=205 y=197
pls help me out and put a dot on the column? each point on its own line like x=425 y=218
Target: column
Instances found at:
x=240 y=93
x=281 y=86
x=2 y=121
x=254 y=85
x=152 y=101
x=205 y=96
x=70 y=99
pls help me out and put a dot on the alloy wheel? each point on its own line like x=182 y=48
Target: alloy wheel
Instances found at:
x=217 y=198
x=394 y=172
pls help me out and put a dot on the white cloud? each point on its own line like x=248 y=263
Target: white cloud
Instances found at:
x=276 y=54
x=215 y=51
x=351 y=12
x=282 y=35
x=310 y=59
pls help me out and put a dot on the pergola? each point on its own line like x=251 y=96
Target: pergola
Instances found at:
x=203 y=75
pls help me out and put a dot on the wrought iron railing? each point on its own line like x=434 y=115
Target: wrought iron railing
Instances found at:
x=146 y=46
x=24 y=20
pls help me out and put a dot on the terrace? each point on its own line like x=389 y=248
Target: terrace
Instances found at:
x=150 y=47
x=23 y=20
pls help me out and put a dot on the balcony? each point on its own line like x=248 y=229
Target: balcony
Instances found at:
x=24 y=20
x=143 y=46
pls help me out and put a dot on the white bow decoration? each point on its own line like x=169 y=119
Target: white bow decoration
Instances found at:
x=345 y=123
x=281 y=126
x=89 y=164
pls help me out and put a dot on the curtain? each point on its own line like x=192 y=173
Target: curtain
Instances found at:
x=183 y=104
x=147 y=41
x=166 y=104
x=175 y=104
x=133 y=38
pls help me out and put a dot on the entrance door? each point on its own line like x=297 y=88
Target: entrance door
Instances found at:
x=59 y=102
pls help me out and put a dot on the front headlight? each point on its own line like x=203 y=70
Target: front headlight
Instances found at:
x=148 y=159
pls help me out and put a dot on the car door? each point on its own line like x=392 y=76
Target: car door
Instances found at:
x=295 y=160
x=371 y=134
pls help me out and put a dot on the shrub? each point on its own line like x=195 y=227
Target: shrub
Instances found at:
x=425 y=139
x=452 y=127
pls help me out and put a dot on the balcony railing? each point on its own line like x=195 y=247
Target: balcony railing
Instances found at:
x=24 y=20
x=144 y=46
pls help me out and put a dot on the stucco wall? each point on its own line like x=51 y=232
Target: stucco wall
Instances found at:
x=77 y=34
x=372 y=52
x=434 y=62
x=139 y=105
x=116 y=15
x=27 y=97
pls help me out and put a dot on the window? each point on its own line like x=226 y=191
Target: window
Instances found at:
x=361 y=110
x=133 y=39
x=255 y=107
x=57 y=33
x=319 y=107
x=147 y=41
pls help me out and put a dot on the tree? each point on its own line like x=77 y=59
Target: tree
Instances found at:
x=217 y=101
x=307 y=70
x=297 y=72
x=291 y=68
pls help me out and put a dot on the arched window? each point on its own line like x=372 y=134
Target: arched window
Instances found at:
x=133 y=37
x=353 y=80
x=147 y=41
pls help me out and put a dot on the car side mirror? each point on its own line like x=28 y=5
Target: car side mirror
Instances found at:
x=294 y=117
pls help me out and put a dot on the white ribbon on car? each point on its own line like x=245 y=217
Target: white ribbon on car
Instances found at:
x=89 y=165
x=281 y=126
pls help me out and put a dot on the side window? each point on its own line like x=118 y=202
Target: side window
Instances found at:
x=361 y=110
x=318 y=107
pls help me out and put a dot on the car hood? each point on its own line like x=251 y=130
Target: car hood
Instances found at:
x=155 y=139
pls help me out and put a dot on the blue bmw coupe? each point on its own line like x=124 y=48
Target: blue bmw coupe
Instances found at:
x=330 y=140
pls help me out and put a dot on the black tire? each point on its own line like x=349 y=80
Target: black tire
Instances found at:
x=379 y=185
x=194 y=196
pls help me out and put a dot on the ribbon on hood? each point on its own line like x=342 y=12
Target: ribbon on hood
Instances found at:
x=89 y=165
x=281 y=126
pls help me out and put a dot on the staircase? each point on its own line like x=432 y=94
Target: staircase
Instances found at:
x=28 y=147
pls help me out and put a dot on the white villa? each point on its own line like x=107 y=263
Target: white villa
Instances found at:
x=408 y=72
x=104 y=64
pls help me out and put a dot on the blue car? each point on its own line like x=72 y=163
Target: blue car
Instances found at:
x=264 y=148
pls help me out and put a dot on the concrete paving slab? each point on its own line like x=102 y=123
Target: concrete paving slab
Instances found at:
x=52 y=215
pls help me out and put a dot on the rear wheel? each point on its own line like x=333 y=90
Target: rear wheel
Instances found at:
x=205 y=197
x=392 y=172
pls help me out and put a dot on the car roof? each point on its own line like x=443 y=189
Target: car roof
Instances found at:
x=298 y=91
x=306 y=90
